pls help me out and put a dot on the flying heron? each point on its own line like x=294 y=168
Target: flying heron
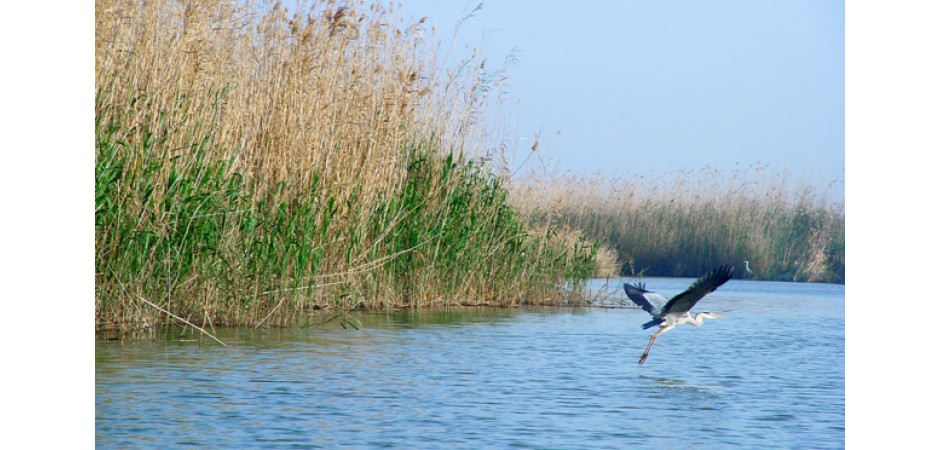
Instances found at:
x=748 y=273
x=670 y=314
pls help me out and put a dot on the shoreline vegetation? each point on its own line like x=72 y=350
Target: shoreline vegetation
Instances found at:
x=254 y=166
x=251 y=166
x=694 y=220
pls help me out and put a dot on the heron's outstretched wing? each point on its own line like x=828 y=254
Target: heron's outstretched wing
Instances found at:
x=651 y=302
x=701 y=287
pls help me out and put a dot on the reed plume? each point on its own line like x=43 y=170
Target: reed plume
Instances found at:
x=254 y=163
x=696 y=220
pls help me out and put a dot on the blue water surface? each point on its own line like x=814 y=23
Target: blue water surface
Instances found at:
x=769 y=374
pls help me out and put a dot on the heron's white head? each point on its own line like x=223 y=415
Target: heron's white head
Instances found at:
x=708 y=315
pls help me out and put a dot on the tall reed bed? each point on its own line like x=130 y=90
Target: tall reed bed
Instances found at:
x=687 y=222
x=252 y=165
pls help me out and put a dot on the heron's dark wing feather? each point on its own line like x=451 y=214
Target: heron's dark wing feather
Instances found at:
x=651 y=302
x=700 y=288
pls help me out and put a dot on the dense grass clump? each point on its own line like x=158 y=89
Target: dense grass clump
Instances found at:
x=700 y=220
x=252 y=165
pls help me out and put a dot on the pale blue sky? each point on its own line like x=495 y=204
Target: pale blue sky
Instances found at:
x=653 y=86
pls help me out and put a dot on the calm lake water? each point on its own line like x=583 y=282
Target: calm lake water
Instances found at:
x=770 y=374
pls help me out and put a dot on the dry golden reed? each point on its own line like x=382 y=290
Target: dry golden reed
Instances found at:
x=328 y=90
x=684 y=223
x=253 y=162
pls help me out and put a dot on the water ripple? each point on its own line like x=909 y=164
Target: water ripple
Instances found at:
x=530 y=379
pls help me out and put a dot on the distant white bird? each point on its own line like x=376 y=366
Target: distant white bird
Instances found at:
x=748 y=273
x=671 y=314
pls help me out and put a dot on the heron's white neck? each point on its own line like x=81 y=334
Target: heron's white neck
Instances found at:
x=700 y=318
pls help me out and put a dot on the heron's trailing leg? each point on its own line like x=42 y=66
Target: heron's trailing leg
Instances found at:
x=650 y=345
x=647 y=352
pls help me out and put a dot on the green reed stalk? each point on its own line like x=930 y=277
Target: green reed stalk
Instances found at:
x=252 y=166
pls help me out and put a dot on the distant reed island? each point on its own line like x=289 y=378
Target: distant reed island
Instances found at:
x=252 y=166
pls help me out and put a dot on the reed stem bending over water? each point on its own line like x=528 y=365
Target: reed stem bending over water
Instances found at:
x=251 y=165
